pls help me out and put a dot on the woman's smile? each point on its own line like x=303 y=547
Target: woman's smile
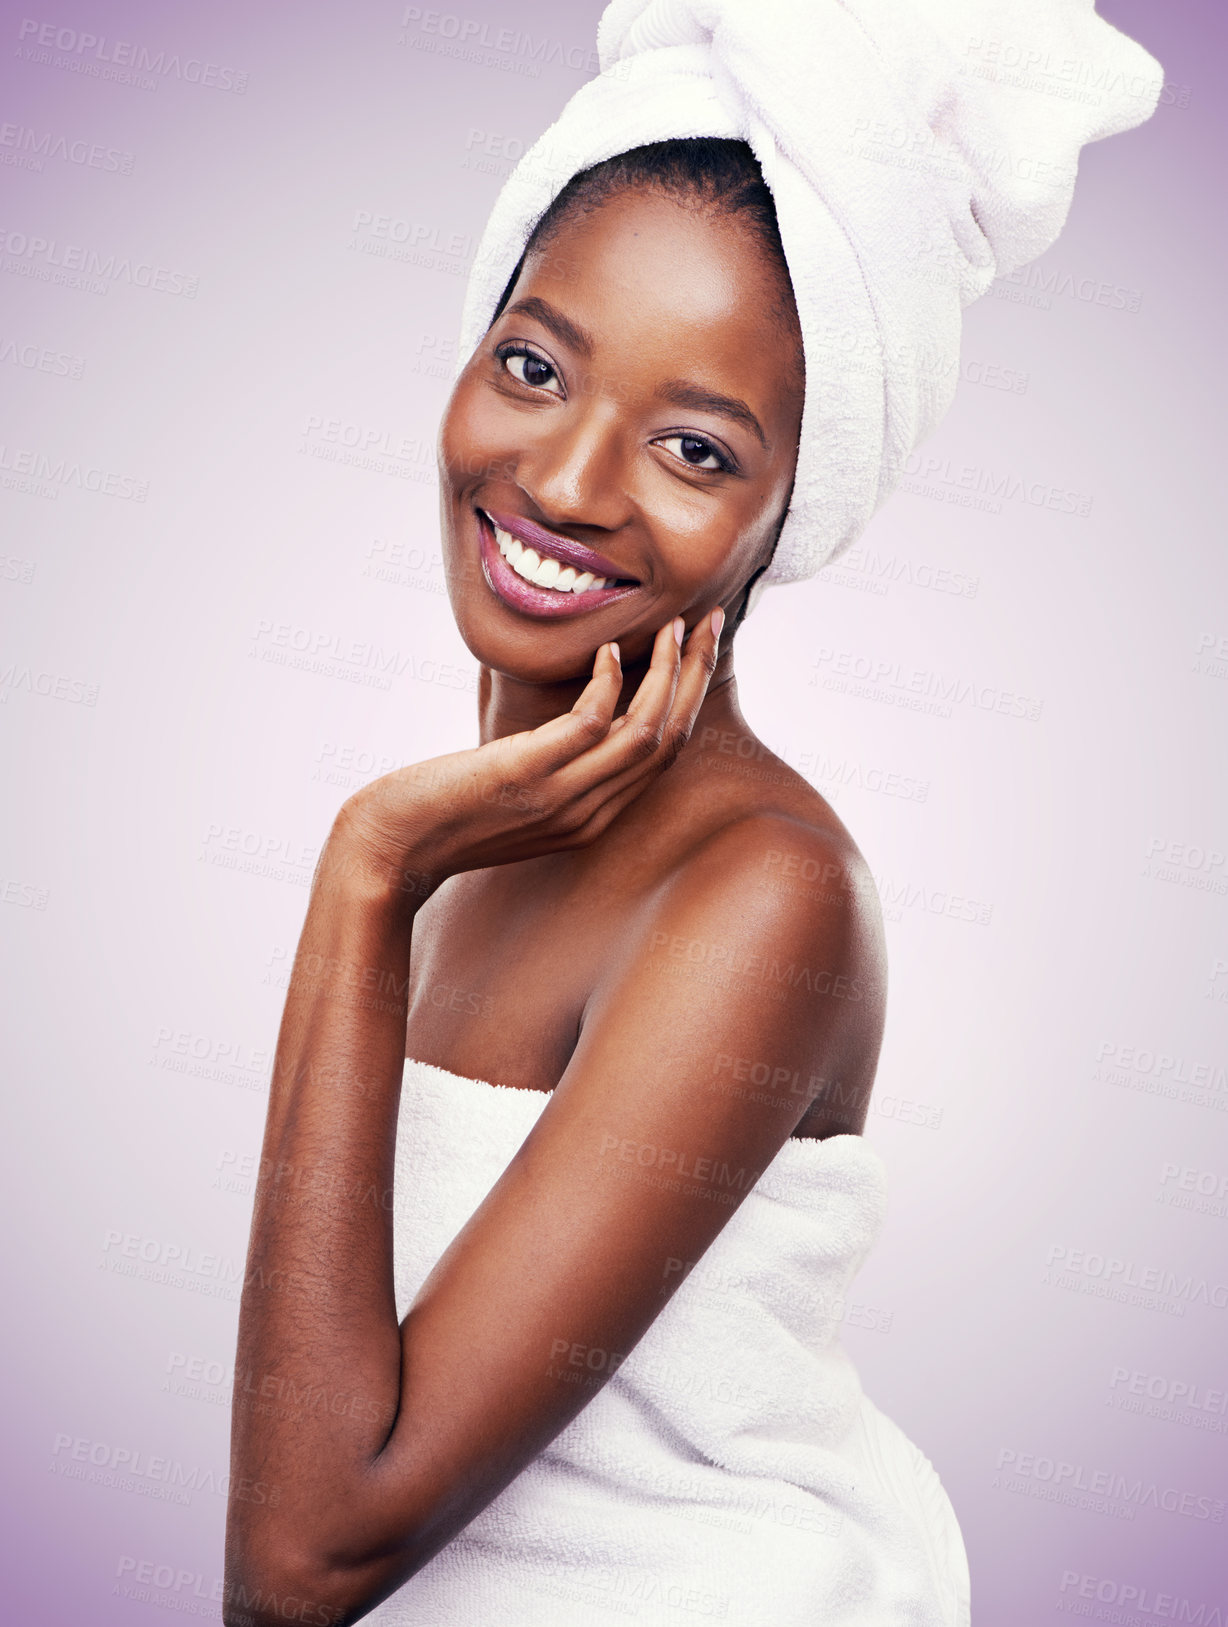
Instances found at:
x=542 y=573
x=620 y=447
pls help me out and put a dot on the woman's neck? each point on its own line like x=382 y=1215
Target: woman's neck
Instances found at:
x=507 y=705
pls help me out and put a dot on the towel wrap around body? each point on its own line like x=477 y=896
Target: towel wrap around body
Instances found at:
x=732 y=1468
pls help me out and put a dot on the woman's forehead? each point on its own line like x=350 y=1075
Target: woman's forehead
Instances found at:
x=655 y=284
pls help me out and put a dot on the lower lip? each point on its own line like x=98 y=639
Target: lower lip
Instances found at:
x=535 y=601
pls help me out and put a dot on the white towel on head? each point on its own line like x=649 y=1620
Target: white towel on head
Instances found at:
x=916 y=149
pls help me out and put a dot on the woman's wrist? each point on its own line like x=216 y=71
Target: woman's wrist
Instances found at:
x=369 y=859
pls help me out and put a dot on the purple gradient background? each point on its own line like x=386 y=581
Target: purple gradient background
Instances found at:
x=124 y=806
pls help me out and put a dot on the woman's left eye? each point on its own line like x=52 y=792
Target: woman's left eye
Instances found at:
x=695 y=452
x=529 y=369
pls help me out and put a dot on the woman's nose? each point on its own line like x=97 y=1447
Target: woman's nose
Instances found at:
x=576 y=472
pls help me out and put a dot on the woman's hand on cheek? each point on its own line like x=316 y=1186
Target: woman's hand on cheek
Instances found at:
x=543 y=790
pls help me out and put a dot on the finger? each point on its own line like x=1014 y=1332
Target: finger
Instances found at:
x=614 y=745
x=698 y=664
x=605 y=685
x=584 y=752
x=556 y=742
x=632 y=771
x=636 y=736
x=597 y=811
x=651 y=701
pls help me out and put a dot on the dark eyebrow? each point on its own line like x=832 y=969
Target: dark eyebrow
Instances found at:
x=679 y=393
x=562 y=327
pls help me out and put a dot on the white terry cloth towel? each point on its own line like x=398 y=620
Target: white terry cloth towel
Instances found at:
x=915 y=149
x=732 y=1468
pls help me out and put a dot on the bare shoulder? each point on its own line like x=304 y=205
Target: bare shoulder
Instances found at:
x=771 y=918
x=787 y=881
x=777 y=843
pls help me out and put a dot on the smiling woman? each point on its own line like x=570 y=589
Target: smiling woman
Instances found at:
x=581 y=386
x=563 y=1290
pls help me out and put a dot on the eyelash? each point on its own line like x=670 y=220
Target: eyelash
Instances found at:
x=505 y=353
x=726 y=467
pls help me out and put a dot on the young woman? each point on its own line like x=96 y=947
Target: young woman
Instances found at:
x=563 y=1180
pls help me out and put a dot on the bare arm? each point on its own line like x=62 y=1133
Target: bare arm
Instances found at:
x=319 y=1374
x=405 y=1434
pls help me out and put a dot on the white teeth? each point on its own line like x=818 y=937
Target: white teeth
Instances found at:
x=545 y=572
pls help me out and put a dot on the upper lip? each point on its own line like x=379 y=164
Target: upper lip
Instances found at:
x=564 y=549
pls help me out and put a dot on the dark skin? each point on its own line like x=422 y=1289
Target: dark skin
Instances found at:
x=581 y=451
x=627 y=901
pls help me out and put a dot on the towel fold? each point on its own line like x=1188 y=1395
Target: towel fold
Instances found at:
x=915 y=149
x=732 y=1468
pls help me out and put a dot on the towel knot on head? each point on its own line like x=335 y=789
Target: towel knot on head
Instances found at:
x=915 y=150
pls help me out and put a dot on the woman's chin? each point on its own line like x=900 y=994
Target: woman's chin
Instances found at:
x=545 y=655
x=523 y=667
x=541 y=649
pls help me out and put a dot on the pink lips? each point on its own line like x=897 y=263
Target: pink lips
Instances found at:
x=544 y=602
x=563 y=549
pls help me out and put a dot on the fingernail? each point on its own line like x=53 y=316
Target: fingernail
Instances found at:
x=679 y=629
x=718 y=621
x=614 y=653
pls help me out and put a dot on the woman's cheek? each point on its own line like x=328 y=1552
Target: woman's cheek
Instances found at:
x=475 y=439
x=710 y=539
x=460 y=428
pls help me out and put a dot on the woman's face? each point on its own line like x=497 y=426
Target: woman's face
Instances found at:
x=632 y=415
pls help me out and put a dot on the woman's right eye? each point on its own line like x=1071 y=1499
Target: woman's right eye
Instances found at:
x=530 y=369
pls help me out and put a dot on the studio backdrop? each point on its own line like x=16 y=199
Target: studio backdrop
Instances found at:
x=233 y=249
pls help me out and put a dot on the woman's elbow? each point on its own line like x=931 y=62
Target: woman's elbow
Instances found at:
x=278 y=1575
x=291 y=1588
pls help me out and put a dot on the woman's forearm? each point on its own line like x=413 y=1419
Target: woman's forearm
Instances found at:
x=318 y=1368
x=353 y=1460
